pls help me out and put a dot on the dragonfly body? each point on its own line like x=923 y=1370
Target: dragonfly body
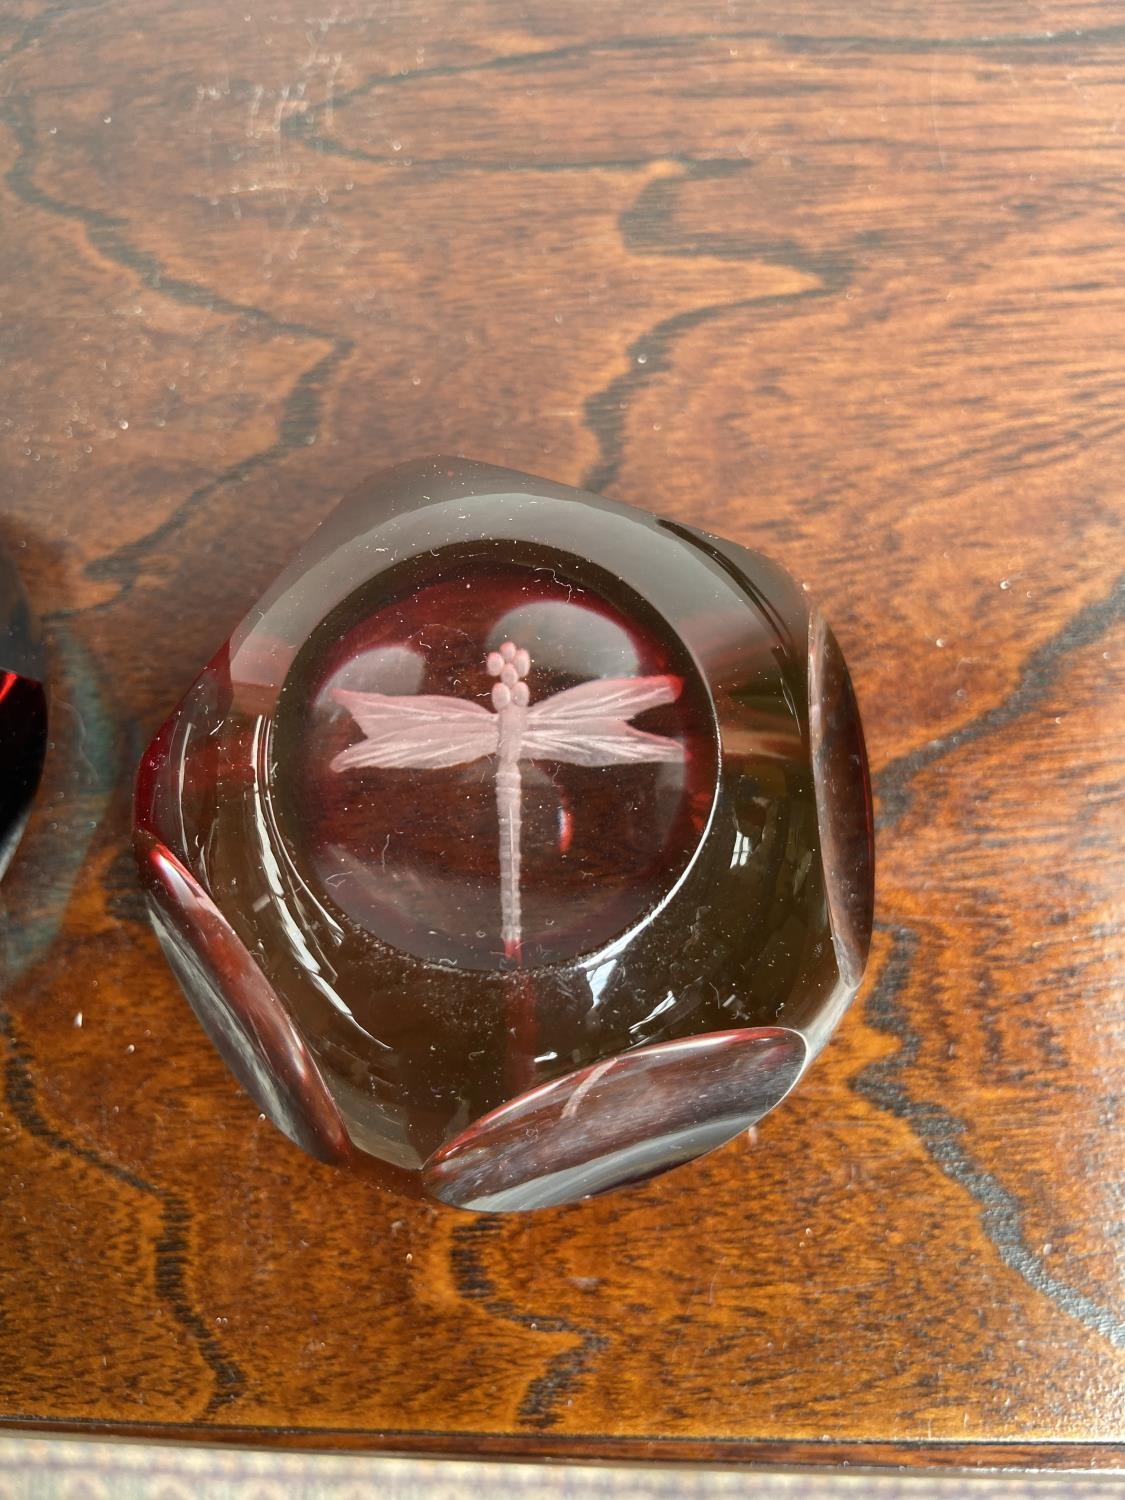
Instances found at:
x=509 y=802
x=585 y=725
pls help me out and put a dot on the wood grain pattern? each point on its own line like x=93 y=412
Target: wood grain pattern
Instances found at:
x=843 y=282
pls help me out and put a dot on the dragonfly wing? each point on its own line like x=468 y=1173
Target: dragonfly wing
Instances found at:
x=606 y=698
x=597 y=742
x=427 y=731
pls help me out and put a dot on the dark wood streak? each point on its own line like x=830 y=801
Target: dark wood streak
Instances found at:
x=539 y=1405
x=108 y=236
x=39 y=25
x=647 y=359
x=893 y=784
x=170 y=1250
x=687 y=42
x=649 y=228
x=885 y=1083
x=1007 y=42
x=646 y=228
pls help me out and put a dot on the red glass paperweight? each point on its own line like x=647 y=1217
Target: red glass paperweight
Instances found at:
x=23 y=709
x=518 y=839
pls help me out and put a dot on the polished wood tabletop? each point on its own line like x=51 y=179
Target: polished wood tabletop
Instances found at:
x=841 y=281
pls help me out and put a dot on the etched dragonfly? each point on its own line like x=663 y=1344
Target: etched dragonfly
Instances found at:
x=587 y=725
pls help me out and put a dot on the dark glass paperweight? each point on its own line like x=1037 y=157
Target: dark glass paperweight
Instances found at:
x=518 y=839
x=23 y=709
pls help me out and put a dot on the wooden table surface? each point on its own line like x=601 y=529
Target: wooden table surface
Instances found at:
x=843 y=281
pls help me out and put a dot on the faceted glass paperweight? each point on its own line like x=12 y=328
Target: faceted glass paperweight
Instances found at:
x=23 y=709
x=518 y=839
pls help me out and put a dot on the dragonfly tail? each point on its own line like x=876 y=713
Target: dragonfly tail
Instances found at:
x=508 y=811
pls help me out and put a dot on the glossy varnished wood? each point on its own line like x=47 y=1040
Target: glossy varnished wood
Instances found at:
x=842 y=282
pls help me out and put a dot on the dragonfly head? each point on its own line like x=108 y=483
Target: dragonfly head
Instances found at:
x=511 y=664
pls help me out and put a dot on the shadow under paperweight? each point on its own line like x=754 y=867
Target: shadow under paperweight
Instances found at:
x=518 y=839
x=23 y=708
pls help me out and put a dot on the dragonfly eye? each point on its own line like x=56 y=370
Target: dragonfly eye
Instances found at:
x=521 y=695
x=501 y=695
